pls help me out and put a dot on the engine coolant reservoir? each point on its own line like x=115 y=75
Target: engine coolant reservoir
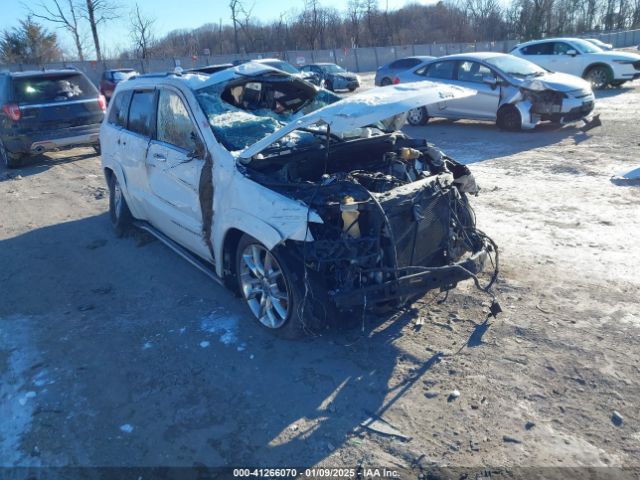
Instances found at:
x=350 y=214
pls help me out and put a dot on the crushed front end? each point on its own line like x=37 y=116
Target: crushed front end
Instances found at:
x=396 y=218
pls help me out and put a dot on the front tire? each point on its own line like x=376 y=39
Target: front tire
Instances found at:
x=599 y=77
x=119 y=212
x=272 y=288
x=385 y=81
x=418 y=116
x=509 y=119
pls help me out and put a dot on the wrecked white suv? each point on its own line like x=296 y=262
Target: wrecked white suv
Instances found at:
x=305 y=205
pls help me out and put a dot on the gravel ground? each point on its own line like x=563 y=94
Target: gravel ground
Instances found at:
x=116 y=352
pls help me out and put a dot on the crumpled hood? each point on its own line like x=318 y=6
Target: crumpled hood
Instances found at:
x=367 y=108
x=560 y=82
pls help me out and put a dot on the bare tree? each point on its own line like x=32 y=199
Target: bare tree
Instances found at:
x=65 y=17
x=235 y=6
x=97 y=12
x=141 y=31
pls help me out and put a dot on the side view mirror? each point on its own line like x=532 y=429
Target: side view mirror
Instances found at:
x=572 y=52
x=490 y=80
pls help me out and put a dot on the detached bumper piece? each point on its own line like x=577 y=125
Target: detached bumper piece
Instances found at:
x=413 y=280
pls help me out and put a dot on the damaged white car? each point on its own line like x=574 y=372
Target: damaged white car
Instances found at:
x=511 y=91
x=304 y=205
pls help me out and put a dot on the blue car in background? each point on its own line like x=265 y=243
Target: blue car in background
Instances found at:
x=386 y=73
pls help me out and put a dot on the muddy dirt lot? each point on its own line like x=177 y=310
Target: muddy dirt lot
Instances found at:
x=117 y=352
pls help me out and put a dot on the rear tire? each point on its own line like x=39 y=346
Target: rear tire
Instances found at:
x=273 y=287
x=418 y=116
x=509 y=119
x=599 y=77
x=97 y=149
x=119 y=213
x=8 y=160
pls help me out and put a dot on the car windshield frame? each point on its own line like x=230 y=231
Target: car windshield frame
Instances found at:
x=585 y=46
x=514 y=66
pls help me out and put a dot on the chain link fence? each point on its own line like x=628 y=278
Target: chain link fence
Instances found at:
x=354 y=59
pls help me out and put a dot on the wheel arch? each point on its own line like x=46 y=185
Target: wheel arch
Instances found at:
x=599 y=64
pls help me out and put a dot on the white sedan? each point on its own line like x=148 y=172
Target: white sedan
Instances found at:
x=582 y=58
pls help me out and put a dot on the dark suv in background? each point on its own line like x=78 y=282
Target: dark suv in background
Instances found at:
x=47 y=110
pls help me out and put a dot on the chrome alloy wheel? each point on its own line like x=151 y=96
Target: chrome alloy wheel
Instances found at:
x=263 y=286
x=598 y=77
x=415 y=116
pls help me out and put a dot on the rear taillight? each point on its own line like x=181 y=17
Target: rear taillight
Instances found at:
x=12 y=111
x=102 y=102
x=396 y=80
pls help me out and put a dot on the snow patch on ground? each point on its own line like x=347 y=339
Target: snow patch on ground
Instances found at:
x=15 y=403
x=222 y=323
x=126 y=428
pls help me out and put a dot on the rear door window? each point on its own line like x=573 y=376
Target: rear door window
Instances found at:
x=119 y=108
x=53 y=88
x=141 y=112
x=544 y=48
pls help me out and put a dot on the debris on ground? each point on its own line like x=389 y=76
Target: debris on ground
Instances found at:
x=453 y=395
x=510 y=439
x=616 y=418
x=377 y=425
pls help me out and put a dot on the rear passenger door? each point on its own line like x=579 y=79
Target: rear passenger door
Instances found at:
x=133 y=144
x=174 y=163
x=439 y=72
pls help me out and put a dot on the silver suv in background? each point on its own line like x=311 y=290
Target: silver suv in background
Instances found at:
x=513 y=92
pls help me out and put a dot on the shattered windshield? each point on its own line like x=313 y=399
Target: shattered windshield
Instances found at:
x=516 y=66
x=239 y=117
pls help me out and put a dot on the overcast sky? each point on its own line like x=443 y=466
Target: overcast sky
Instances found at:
x=172 y=14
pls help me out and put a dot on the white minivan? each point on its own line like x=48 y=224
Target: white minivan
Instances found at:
x=581 y=58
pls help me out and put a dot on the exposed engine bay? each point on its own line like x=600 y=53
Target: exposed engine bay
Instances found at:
x=390 y=206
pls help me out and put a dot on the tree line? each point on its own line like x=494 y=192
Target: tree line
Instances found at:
x=361 y=23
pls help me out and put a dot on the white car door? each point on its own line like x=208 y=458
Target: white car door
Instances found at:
x=539 y=53
x=132 y=145
x=174 y=163
x=484 y=104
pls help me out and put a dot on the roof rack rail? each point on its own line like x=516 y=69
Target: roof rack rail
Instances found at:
x=152 y=75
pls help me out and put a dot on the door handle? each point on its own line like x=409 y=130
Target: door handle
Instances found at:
x=160 y=158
